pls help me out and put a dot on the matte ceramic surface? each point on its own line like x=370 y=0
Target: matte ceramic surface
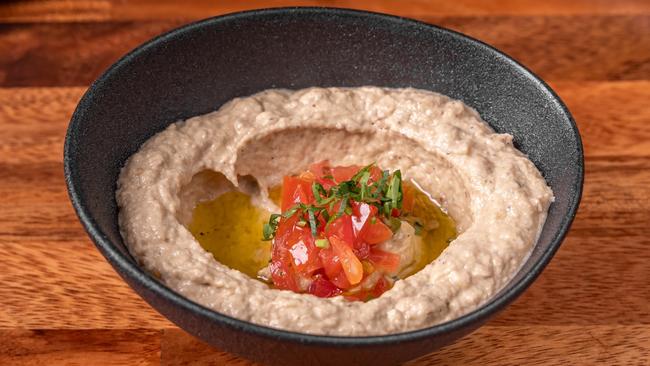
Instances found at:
x=195 y=69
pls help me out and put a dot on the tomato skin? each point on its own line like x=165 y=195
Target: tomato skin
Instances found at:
x=323 y=171
x=408 y=200
x=331 y=262
x=296 y=190
x=362 y=213
x=377 y=232
x=382 y=285
x=351 y=264
x=323 y=288
x=305 y=253
x=386 y=262
x=294 y=254
x=298 y=265
x=342 y=228
x=343 y=173
x=341 y=280
x=361 y=249
x=282 y=273
x=375 y=174
x=333 y=269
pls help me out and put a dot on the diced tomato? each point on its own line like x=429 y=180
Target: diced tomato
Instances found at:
x=361 y=249
x=376 y=232
x=351 y=264
x=323 y=288
x=382 y=286
x=298 y=242
x=283 y=234
x=296 y=190
x=282 y=272
x=341 y=281
x=333 y=268
x=408 y=200
x=386 y=262
x=375 y=174
x=321 y=169
x=343 y=173
x=323 y=173
x=283 y=275
x=361 y=213
x=305 y=254
x=298 y=265
x=331 y=262
x=342 y=228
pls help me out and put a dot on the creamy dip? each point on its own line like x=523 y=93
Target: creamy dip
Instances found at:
x=495 y=194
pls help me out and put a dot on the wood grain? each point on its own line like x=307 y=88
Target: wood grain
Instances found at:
x=613 y=118
x=79 y=347
x=557 y=345
x=584 y=345
x=102 y=10
x=558 y=48
x=62 y=304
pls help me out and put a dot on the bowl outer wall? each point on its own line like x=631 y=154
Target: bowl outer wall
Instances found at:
x=176 y=76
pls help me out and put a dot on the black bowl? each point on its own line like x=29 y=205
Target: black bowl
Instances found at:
x=196 y=68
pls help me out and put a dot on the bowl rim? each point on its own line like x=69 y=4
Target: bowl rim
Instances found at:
x=129 y=268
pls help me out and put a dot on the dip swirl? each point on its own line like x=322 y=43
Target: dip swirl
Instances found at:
x=497 y=197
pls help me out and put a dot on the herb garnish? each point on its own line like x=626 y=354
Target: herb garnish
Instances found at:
x=386 y=194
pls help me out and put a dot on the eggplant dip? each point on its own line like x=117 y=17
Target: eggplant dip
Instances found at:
x=337 y=211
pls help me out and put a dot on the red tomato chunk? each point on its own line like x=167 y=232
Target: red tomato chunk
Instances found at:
x=338 y=254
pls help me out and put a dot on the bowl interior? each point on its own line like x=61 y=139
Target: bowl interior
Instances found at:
x=194 y=70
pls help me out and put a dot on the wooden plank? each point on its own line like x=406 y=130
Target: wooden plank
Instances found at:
x=33 y=123
x=512 y=345
x=103 y=10
x=561 y=345
x=179 y=348
x=79 y=347
x=47 y=54
x=613 y=118
x=54 y=285
x=558 y=48
x=507 y=346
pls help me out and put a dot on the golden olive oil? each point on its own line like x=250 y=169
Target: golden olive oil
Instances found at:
x=230 y=227
x=435 y=239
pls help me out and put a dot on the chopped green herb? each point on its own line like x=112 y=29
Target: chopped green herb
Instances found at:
x=322 y=243
x=342 y=207
x=312 y=221
x=269 y=229
x=361 y=172
x=418 y=228
x=386 y=194
x=288 y=213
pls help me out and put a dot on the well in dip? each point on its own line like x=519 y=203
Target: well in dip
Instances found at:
x=495 y=194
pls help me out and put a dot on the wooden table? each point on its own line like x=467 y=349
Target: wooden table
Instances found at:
x=61 y=303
